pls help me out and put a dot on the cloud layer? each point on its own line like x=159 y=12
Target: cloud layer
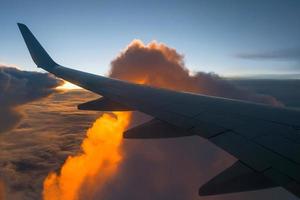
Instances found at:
x=52 y=129
x=289 y=54
x=19 y=87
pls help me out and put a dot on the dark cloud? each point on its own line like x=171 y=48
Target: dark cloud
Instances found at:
x=289 y=54
x=19 y=87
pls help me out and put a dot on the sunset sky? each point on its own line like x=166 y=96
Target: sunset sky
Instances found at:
x=50 y=150
x=227 y=37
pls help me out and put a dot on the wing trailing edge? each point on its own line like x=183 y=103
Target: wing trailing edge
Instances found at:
x=155 y=129
x=103 y=104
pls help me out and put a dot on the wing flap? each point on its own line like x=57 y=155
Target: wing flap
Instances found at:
x=251 y=154
x=103 y=104
x=155 y=129
x=255 y=155
x=281 y=144
x=237 y=178
x=207 y=129
x=283 y=180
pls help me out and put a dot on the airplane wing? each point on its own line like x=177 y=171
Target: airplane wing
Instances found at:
x=264 y=139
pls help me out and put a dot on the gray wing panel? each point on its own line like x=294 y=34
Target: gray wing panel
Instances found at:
x=290 y=149
x=250 y=153
x=269 y=148
x=276 y=143
x=269 y=163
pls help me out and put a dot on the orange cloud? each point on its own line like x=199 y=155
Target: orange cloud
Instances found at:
x=2 y=190
x=159 y=65
x=97 y=162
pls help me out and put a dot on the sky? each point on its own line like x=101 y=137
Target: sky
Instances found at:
x=231 y=38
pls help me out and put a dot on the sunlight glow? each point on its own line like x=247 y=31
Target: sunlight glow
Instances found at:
x=68 y=86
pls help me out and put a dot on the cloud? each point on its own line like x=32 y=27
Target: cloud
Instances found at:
x=159 y=65
x=2 y=190
x=19 y=87
x=289 y=54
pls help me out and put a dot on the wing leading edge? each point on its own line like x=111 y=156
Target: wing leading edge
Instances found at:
x=264 y=139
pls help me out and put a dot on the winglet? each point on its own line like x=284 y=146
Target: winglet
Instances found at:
x=37 y=52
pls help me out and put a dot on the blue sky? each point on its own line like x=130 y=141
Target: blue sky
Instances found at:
x=211 y=34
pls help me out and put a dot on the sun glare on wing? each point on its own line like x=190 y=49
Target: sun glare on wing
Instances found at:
x=68 y=86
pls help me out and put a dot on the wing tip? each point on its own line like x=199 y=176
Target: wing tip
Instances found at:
x=37 y=52
x=21 y=24
x=22 y=27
